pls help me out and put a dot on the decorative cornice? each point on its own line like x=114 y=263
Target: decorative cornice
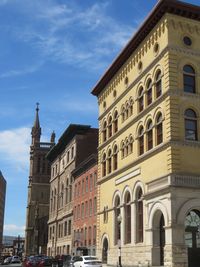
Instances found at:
x=162 y=7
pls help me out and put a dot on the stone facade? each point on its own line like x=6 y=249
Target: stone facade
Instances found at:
x=38 y=193
x=149 y=150
x=2 y=206
x=76 y=144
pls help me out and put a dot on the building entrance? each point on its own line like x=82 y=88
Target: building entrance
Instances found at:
x=105 y=251
x=192 y=237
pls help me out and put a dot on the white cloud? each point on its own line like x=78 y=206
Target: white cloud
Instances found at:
x=30 y=69
x=71 y=34
x=14 y=230
x=14 y=146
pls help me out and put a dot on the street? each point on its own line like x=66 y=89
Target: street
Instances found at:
x=13 y=265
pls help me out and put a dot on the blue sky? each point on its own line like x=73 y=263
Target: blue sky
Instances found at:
x=53 y=52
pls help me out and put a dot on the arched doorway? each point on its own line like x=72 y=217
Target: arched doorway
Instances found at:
x=158 y=239
x=192 y=237
x=105 y=251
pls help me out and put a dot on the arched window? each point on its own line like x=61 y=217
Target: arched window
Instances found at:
x=123 y=113
x=141 y=99
x=109 y=161
x=159 y=129
x=117 y=233
x=109 y=127
x=104 y=165
x=189 y=79
x=130 y=107
x=104 y=131
x=149 y=135
x=158 y=84
x=122 y=149
x=141 y=140
x=126 y=147
x=115 y=122
x=127 y=225
x=149 y=92
x=139 y=216
x=127 y=110
x=190 y=125
x=130 y=145
x=115 y=158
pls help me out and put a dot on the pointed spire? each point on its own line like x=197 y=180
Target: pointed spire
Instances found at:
x=53 y=135
x=37 y=122
x=36 y=130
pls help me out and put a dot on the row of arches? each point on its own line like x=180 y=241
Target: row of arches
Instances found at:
x=147 y=136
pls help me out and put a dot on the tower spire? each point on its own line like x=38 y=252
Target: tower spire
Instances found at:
x=36 y=130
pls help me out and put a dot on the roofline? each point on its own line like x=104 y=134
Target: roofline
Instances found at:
x=85 y=165
x=71 y=131
x=163 y=6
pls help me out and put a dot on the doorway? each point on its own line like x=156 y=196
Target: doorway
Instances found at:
x=105 y=251
x=192 y=237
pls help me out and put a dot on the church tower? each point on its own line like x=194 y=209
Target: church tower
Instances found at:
x=38 y=192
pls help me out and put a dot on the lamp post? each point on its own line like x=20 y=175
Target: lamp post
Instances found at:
x=119 y=220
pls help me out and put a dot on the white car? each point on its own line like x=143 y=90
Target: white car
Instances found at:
x=86 y=261
x=15 y=259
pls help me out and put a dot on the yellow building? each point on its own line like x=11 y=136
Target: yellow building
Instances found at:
x=149 y=148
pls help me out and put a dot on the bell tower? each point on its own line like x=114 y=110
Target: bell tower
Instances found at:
x=38 y=191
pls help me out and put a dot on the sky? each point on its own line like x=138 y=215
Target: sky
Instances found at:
x=53 y=52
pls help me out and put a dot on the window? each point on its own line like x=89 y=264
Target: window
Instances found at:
x=69 y=227
x=83 y=187
x=149 y=92
x=72 y=153
x=104 y=131
x=115 y=158
x=127 y=209
x=86 y=185
x=109 y=127
x=86 y=209
x=159 y=129
x=123 y=113
x=158 y=84
x=89 y=235
x=141 y=140
x=109 y=161
x=90 y=207
x=82 y=210
x=117 y=230
x=94 y=234
x=95 y=206
x=149 y=135
x=139 y=216
x=189 y=79
x=65 y=228
x=115 y=122
x=123 y=149
x=95 y=179
x=91 y=182
x=190 y=125
x=85 y=236
x=141 y=99
x=130 y=107
x=104 y=165
x=130 y=145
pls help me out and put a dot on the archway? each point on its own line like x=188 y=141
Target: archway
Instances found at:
x=192 y=237
x=158 y=239
x=105 y=251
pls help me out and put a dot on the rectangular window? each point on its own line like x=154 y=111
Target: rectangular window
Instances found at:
x=69 y=227
x=90 y=207
x=86 y=185
x=65 y=229
x=91 y=182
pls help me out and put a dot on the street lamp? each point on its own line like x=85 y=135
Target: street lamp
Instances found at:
x=119 y=220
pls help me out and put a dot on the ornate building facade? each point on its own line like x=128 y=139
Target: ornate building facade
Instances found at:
x=2 y=206
x=149 y=144
x=38 y=192
x=75 y=144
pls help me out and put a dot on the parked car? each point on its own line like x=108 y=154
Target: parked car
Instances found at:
x=7 y=260
x=86 y=261
x=45 y=261
x=15 y=259
x=61 y=260
x=32 y=261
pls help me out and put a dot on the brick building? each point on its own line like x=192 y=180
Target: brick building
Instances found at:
x=85 y=206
